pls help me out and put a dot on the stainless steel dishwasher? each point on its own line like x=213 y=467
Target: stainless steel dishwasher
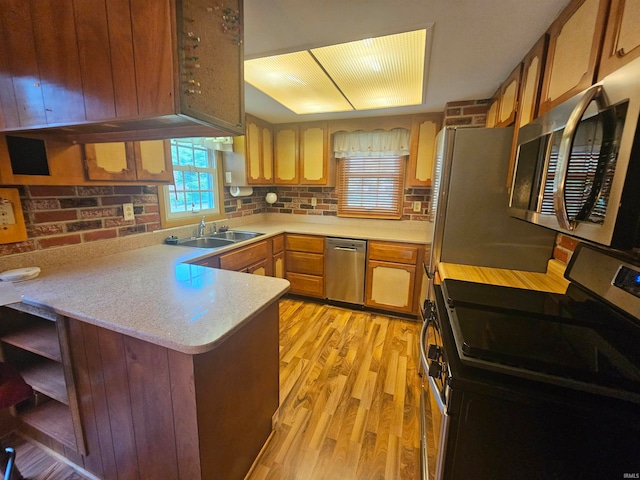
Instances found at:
x=344 y=269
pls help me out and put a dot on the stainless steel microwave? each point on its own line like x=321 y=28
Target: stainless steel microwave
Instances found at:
x=577 y=166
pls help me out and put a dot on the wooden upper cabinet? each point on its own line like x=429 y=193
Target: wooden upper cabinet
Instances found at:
x=259 y=152
x=508 y=104
x=575 y=39
x=492 y=112
x=622 y=36
x=301 y=154
x=314 y=153
x=285 y=154
x=531 y=83
x=504 y=102
x=424 y=130
x=529 y=97
x=121 y=70
x=129 y=161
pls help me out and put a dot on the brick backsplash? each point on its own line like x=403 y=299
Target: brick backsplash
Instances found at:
x=466 y=113
x=69 y=215
x=297 y=201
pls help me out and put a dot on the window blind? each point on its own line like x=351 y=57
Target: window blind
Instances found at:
x=371 y=187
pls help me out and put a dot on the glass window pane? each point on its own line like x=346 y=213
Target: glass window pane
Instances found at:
x=207 y=200
x=178 y=179
x=201 y=158
x=206 y=181
x=185 y=156
x=191 y=181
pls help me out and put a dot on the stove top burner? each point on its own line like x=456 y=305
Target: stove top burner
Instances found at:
x=550 y=337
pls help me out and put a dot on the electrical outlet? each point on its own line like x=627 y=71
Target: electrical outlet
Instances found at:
x=127 y=211
x=227 y=177
x=314 y=201
x=417 y=206
x=239 y=204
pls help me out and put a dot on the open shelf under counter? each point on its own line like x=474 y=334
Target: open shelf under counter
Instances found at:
x=41 y=339
x=47 y=377
x=53 y=419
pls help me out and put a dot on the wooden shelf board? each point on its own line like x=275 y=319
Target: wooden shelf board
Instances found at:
x=41 y=339
x=47 y=377
x=54 y=419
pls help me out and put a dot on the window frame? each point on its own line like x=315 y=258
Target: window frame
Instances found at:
x=399 y=188
x=168 y=220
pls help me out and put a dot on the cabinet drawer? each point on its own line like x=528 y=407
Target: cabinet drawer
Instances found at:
x=213 y=262
x=305 y=243
x=278 y=244
x=302 y=284
x=394 y=252
x=311 y=263
x=241 y=259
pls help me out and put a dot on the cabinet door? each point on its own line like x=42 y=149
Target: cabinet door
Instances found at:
x=286 y=155
x=574 y=48
x=509 y=90
x=244 y=257
x=492 y=113
x=622 y=36
x=110 y=161
x=314 y=154
x=278 y=265
x=309 y=285
x=530 y=86
x=424 y=130
x=301 y=262
x=259 y=268
x=259 y=152
x=304 y=243
x=394 y=252
x=390 y=286
x=153 y=160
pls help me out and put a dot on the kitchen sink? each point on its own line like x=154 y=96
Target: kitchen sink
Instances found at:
x=235 y=236
x=205 y=242
x=215 y=240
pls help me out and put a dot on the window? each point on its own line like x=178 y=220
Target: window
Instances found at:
x=371 y=187
x=195 y=191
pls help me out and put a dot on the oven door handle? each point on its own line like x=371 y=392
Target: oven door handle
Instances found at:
x=564 y=155
x=432 y=383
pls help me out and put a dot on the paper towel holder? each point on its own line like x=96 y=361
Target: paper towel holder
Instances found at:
x=240 y=191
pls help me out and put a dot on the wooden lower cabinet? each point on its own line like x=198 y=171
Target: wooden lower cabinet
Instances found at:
x=390 y=286
x=304 y=261
x=151 y=412
x=246 y=258
x=278 y=265
x=391 y=276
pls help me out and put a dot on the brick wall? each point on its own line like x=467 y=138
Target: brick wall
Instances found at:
x=564 y=248
x=69 y=215
x=297 y=201
x=466 y=113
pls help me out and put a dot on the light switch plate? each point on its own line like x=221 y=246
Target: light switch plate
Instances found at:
x=417 y=206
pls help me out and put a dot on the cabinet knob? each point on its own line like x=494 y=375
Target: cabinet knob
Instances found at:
x=621 y=52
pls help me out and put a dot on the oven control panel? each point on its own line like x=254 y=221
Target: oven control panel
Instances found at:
x=628 y=280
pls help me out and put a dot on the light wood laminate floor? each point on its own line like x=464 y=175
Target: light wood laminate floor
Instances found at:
x=349 y=401
x=349 y=397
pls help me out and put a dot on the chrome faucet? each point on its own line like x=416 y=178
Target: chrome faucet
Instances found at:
x=215 y=227
x=201 y=227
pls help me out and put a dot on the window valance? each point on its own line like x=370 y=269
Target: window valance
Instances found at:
x=377 y=143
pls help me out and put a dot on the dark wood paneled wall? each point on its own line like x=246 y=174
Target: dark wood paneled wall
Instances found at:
x=151 y=412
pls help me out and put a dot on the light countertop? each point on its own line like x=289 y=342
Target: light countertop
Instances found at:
x=151 y=294
x=551 y=281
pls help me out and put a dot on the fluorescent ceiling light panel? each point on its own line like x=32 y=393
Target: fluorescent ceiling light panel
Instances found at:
x=296 y=81
x=367 y=74
x=378 y=72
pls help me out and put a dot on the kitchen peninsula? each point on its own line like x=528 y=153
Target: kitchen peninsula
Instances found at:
x=173 y=366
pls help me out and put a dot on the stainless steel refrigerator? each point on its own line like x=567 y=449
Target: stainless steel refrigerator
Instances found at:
x=470 y=201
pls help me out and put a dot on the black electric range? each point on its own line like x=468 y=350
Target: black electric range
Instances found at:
x=535 y=384
x=571 y=340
